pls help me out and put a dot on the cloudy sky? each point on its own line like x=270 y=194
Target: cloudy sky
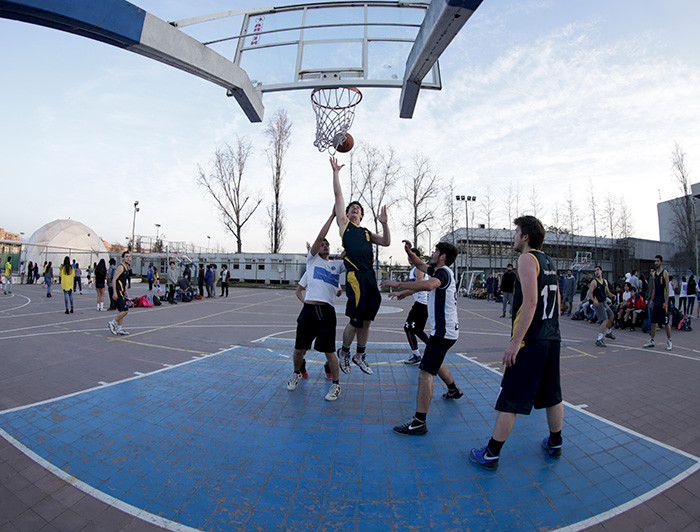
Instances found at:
x=538 y=93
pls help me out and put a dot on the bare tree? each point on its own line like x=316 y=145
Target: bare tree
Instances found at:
x=279 y=132
x=556 y=229
x=487 y=208
x=509 y=207
x=593 y=214
x=684 y=226
x=225 y=187
x=421 y=189
x=379 y=172
x=571 y=218
x=535 y=204
x=450 y=213
x=610 y=215
x=624 y=220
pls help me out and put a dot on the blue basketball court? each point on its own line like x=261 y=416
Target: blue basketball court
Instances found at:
x=219 y=443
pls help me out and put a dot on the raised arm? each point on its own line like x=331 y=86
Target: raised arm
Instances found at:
x=414 y=259
x=316 y=246
x=340 y=215
x=385 y=238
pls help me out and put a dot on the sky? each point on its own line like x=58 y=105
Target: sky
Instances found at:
x=588 y=95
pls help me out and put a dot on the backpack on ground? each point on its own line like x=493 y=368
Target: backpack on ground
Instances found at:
x=156 y=301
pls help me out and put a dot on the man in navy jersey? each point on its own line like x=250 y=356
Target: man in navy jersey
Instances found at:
x=361 y=283
x=531 y=377
x=444 y=325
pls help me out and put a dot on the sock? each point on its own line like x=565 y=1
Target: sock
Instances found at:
x=420 y=416
x=345 y=349
x=555 y=438
x=600 y=336
x=608 y=331
x=452 y=386
x=416 y=352
x=494 y=447
x=297 y=371
x=336 y=382
x=361 y=349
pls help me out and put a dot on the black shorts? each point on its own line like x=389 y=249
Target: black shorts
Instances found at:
x=659 y=315
x=99 y=285
x=434 y=354
x=121 y=304
x=417 y=317
x=533 y=381
x=363 y=297
x=316 y=322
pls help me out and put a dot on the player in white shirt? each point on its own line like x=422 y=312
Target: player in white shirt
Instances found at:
x=417 y=316
x=444 y=325
x=317 y=320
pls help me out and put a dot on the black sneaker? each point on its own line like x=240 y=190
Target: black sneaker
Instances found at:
x=412 y=427
x=452 y=394
x=553 y=450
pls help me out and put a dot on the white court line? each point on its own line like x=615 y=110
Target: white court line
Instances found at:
x=16 y=308
x=97 y=494
x=637 y=500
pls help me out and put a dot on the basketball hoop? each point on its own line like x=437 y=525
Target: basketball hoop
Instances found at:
x=335 y=111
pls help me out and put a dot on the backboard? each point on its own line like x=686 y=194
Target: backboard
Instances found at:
x=320 y=44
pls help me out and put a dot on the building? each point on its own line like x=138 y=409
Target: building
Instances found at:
x=669 y=231
x=490 y=250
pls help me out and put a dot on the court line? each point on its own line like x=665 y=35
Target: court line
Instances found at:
x=16 y=308
x=94 y=492
x=582 y=352
x=198 y=319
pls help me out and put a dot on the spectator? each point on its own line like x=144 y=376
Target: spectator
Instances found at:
x=48 y=278
x=683 y=295
x=200 y=281
x=490 y=288
x=110 y=275
x=8 y=276
x=172 y=281
x=634 y=281
x=507 y=286
x=692 y=294
x=149 y=277
x=100 y=281
x=225 y=277
x=638 y=310
x=568 y=289
x=77 y=281
x=67 y=273
x=156 y=279
x=209 y=281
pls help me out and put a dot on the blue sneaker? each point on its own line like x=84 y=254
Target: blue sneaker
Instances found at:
x=553 y=450
x=480 y=457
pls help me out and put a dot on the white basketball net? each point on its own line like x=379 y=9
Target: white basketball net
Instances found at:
x=335 y=111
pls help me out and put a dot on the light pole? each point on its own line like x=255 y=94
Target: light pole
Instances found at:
x=133 y=225
x=466 y=200
x=208 y=240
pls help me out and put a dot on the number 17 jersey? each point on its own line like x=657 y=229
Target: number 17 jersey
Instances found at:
x=545 y=322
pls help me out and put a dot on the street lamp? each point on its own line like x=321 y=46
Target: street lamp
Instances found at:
x=466 y=200
x=133 y=225
x=208 y=240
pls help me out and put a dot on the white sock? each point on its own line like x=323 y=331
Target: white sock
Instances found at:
x=600 y=336
x=608 y=331
x=416 y=352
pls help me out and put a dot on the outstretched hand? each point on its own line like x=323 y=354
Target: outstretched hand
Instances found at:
x=334 y=164
x=397 y=295
x=389 y=284
x=383 y=218
x=407 y=246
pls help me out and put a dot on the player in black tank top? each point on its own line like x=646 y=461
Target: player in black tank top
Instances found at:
x=531 y=377
x=361 y=286
x=119 y=294
x=660 y=303
x=543 y=326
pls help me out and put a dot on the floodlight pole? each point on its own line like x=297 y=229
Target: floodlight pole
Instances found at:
x=466 y=200
x=133 y=225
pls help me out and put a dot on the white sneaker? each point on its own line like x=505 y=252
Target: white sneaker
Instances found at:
x=112 y=327
x=333 y=392
x=122 y=332
x=650 y=343
x=361 y=363
x=669 y=345
x=293 y=381
x=343 y=360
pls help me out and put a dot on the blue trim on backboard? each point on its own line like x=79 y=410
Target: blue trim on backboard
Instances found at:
x=467 y=4
x=114 y=22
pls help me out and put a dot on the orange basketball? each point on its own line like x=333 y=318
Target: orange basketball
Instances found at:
x=346 y=146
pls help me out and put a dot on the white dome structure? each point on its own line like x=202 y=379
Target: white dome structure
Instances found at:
x=53 y=241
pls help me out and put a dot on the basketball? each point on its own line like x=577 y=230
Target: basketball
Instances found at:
x=346 y=146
